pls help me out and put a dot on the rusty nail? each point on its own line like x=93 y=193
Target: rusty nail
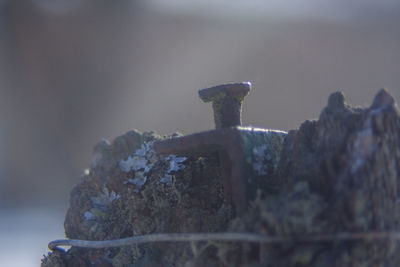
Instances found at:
x=226 y=102
x=227 y=143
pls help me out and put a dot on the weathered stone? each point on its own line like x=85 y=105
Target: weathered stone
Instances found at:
x=337 y=174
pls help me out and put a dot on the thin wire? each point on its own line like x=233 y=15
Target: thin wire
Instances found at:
x=225 y=236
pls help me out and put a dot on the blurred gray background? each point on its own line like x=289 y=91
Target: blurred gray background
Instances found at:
x=73 y=72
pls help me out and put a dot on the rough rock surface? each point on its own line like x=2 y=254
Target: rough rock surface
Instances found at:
x=340 y=173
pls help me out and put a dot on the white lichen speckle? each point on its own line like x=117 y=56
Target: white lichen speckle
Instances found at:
x=167 y=179
x=105 y=199
x=140 y=163
x=259 y=156
x=143 y=160
x=364 y=146
x=88 y=216
x=126 y=165
x=175 y=163
x=134 y=163
x=139 y=180
x=100 y=204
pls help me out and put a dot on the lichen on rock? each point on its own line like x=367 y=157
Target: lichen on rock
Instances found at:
x=337 y=174
x=178 y=195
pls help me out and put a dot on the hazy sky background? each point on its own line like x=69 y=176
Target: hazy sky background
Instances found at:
x=73 y=72
x=296 y=9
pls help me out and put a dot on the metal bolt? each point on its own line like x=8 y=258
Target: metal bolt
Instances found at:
x=226 y=102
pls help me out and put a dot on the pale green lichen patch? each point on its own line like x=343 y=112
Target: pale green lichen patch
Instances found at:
x=106 y=198
x=100 y=205
x=180 y=195
x=259 y=156
x=175 y=163
x=142 y=162
x=261 y=151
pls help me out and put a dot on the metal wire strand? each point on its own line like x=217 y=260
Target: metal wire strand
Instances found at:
x=225 y=236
